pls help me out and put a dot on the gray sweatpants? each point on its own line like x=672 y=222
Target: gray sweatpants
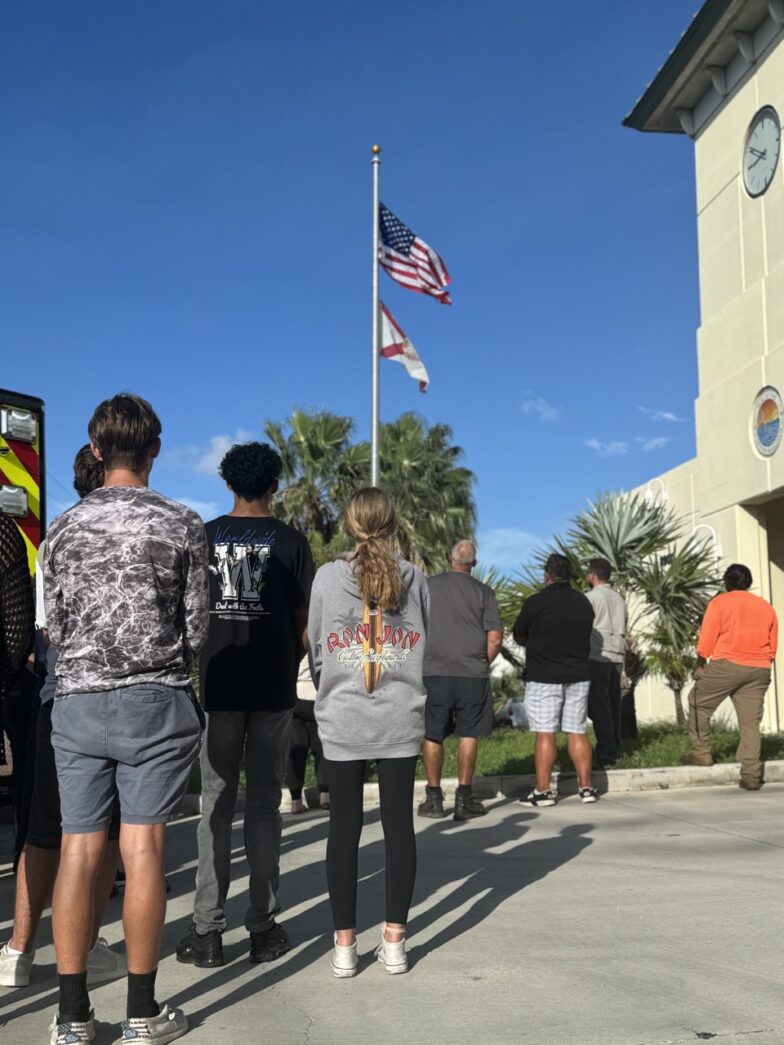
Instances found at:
x=262 y=737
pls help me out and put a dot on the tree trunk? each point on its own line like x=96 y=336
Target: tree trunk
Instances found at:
x=680 y=716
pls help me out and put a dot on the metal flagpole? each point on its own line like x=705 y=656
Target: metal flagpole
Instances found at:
x=374 y=380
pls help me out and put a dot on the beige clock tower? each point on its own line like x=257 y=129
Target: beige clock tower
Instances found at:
x=723 y=86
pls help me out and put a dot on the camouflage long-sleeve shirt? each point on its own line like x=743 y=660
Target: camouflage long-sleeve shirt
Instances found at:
x=126 y=590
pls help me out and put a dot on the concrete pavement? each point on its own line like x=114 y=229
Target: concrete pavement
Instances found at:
x=646 y=919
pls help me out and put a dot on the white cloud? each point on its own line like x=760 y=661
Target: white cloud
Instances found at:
x=612 y=449
x=506 y=548
x=653 y=444
x=205 y=459
x=660 y=415
x=206 y=509
x=535 y=404
x=219 y=447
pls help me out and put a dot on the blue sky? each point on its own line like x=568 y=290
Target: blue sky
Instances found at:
x=185 y=213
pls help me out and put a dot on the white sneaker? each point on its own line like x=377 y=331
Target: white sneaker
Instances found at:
x=392 y=955
x=15 y=968
x=166 y=1026
x=71 y=1033
x=344 y=961
x=104 y=964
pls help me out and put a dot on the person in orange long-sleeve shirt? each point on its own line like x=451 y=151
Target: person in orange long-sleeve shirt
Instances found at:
x=736 y=648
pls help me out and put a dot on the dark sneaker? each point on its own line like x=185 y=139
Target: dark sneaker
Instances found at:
x=269 y=944
x=467 y=806
x=588 y=794
x=696 y=760
x=204 y=950
x=539 y=798
x=433 y=804
x=750 y=785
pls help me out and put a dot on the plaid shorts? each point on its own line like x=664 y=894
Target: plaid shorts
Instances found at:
x=557 y=705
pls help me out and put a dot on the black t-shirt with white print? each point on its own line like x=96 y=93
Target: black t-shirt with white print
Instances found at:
x=261 y=572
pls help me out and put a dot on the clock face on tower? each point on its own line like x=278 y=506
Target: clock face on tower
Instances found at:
x=761 y=151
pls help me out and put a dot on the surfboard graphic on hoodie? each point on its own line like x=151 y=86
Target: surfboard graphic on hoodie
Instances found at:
x=371 y=644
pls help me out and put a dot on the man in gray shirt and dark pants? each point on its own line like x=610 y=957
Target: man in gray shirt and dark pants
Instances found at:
x=463 y=639
x=608 y=649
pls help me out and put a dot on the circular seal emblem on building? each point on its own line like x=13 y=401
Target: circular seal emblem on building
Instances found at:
x=767 y=423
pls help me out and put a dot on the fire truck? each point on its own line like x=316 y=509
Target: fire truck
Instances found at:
x=22 y=473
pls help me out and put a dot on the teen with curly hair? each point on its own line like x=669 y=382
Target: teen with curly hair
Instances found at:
x=261 y=571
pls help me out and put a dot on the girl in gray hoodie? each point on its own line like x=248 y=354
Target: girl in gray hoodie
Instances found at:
x=366 y=629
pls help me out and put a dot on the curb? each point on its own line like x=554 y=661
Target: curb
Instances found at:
x=608 y=781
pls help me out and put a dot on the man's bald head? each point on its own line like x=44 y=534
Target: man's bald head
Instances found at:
x=463 y=556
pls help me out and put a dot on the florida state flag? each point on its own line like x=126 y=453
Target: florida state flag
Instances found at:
x=395 y=345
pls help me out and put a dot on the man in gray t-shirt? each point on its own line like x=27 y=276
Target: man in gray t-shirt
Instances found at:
x=464 y=637
x=608 y=649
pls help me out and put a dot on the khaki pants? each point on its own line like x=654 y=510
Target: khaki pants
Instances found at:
x=746 y=687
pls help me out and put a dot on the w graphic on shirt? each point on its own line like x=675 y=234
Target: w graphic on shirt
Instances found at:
x=240 y=568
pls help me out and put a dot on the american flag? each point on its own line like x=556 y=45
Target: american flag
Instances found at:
x=409 y=260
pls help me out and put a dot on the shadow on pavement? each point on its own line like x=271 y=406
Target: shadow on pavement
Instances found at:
x=473 y=868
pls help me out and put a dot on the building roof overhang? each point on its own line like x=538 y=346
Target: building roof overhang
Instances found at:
x=719 y=32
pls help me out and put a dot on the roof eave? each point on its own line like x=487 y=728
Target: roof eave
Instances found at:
x=695 y=36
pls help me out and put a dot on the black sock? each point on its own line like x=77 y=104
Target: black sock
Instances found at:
x=464 y=789
x=74 y=1000
x=141 y=995
x=433 y=790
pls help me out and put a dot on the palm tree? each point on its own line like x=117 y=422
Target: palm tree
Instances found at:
x=432 y=493
x=665 y=576
x=673 y=662
x=320 y=468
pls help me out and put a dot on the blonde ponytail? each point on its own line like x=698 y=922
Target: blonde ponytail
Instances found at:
x=371 y=521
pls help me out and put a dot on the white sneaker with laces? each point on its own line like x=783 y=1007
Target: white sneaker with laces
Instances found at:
x=392 y=955
x=15 y=968
x=344 y=961
x=166 y=1026
x=72 y=1033
x=104 y=964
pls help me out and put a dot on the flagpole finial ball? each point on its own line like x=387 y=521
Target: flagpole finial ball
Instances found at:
x=376 y=150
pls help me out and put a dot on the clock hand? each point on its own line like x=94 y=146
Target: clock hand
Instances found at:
x=760 y=157
x=757 y=152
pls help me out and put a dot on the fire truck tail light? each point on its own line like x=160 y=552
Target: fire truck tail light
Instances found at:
x=13 y=501
x=17 y=424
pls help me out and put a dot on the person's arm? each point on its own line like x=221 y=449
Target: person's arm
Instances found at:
x=774 y=636
x=16 y=603
x=523 y=623
x=196 y=591
x=491 y=621
x=709 y=633
x=301 y=586
x=315 y=652
x=53 y=598
x=495 y=640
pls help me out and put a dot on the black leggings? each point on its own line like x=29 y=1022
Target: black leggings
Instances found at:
x=396 y=789
x=304 y=739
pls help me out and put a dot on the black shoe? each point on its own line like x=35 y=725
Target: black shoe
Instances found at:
x=269 y=944
x=202 y=950
x=433 y=804
x=467 y=806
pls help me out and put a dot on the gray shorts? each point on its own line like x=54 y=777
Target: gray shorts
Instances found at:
x=557 y=705
x=137 y=742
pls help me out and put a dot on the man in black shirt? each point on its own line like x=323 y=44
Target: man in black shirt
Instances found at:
x=555 y=627
x=261 y=571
